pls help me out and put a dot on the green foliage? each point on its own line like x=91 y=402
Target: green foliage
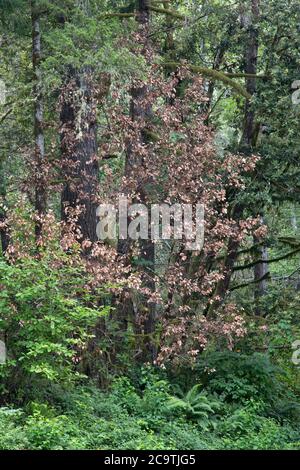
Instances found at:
x=86 y=418
x=246 y=428
x=45 y=322
x=12 y=435
x=195 y=405
x=237 y=377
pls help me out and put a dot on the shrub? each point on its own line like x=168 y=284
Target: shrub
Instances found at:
x=47 y=322
x=238 y=377
x=246 y=429
x=12 y=436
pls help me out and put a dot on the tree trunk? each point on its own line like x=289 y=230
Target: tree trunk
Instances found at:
x=143 y=11
x=260 y=275
x=250 y=134
x=4 y=234
x=39 y=154
x=79 y=155
x=138 y=112
x=218 y=60
x=294 y=222
x=250 y=130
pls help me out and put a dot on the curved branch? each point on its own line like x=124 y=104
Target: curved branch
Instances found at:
x=255 y=281
x=213 y=74
x=244 y=75
x=269 y=261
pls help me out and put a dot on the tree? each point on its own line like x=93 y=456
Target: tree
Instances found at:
x=140 y=114
x=79 y=154
x=39 y=153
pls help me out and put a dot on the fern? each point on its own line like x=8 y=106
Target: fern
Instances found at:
x=194 y=405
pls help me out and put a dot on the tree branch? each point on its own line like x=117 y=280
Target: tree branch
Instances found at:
x=244 y=75
x=166 y=11
x=117 y=15
x=4 y=116
x=213 y=74
x=255 y=281
x=269 y=261
x=156 y=9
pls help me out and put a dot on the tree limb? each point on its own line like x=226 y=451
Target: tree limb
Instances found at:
x=244 y=75
x=166 y=11
x=117 y=15
x=255 y=281
x=269 y=261
x=213 y=74
x=4 y=116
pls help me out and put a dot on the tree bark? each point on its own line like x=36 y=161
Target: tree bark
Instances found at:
x=260 y=275
x=39 y=154
x=4 y=233
x=79 y=154
x=227 y=268
x=218 y=60
x=249 y=136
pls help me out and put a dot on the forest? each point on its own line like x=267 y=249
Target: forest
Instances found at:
x=150 y=225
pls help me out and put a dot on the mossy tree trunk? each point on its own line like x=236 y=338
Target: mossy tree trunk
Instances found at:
x=39 y=153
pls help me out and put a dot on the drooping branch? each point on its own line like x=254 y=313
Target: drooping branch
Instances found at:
x=255 y=281
x=212 y=74
x=269 y=261
x=15 y=105
x=79 y=163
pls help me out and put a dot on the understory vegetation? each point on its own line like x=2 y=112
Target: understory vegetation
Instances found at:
x=239 y=399
x=149 y=410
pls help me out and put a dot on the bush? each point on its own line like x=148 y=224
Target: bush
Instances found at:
x=47 y=323
x=246 y=429
x=12 y=435
x=237 y=377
